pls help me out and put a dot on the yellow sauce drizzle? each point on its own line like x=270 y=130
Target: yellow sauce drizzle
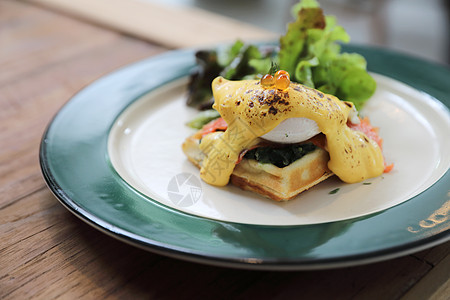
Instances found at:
x=251 y=111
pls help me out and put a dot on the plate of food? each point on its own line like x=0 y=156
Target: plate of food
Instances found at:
x=287 y=156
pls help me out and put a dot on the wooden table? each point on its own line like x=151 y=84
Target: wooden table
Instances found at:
x=47 y=253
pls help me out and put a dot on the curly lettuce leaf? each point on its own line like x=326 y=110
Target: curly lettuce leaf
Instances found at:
x=346 y=77
x=240 y=66
x=303 y=4
x=199 y=86
x=293 y=45
x=239 y=61
x=310 y=51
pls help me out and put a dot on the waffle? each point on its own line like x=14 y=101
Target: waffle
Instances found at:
x=279 y=184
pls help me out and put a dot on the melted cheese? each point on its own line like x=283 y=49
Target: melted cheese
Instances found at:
x=252 y=111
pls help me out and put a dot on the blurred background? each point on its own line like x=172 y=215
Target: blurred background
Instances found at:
x=416 y=27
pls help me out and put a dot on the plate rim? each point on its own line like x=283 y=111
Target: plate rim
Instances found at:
x=199 y=256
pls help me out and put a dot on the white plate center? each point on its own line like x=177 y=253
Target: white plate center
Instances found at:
x=145 y=149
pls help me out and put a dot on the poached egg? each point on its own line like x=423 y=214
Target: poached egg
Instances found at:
x=254 y=111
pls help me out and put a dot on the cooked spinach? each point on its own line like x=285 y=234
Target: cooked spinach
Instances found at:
x=280 y=156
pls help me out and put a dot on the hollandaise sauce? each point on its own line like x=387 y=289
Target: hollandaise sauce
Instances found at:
x=252 y=108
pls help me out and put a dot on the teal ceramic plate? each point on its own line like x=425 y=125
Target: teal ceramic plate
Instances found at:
x=77 y=166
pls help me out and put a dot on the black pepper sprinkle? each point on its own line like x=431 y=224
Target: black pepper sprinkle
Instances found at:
x=273 y=110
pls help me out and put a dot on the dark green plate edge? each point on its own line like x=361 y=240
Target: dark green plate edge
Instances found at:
x=98 y=198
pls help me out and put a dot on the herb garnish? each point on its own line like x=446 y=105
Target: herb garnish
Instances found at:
x=334 y=191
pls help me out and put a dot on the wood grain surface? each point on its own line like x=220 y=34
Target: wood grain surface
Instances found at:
x=47 y=253
x=171 y=26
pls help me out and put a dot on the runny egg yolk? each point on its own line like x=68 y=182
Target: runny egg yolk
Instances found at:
x=252 y=110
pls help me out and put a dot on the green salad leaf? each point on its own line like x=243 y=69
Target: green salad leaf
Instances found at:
x=315 y=60
x=239 y=61
x=203 y=118
x=199 y=87
x=294 y=45
x=310 y=51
